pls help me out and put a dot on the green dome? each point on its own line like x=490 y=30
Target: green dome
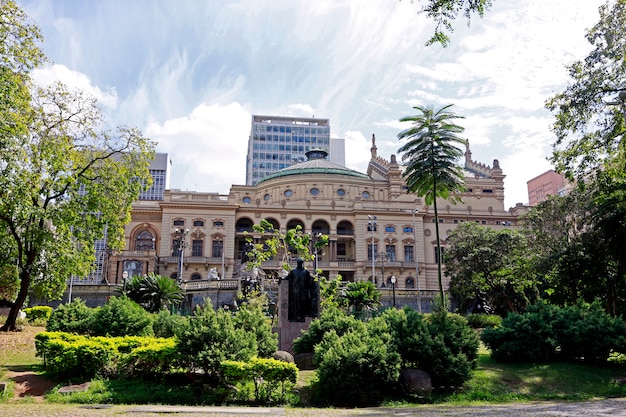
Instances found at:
x=316 y=163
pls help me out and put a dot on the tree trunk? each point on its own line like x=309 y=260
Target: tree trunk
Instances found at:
x=9 y=325
x=443 y=300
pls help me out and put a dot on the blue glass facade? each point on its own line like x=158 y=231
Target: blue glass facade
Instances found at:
x=278 y=142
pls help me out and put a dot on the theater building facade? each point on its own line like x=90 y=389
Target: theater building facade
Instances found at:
x=376 y=229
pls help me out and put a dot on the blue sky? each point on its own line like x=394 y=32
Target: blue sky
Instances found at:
x=190 y=74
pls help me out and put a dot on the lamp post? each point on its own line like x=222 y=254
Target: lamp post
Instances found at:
x=393 y=286
x=372 y=226
x=417 y=270
x=124 y=278
x=181 y=235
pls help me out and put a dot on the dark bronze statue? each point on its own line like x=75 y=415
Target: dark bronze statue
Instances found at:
x=303 y=293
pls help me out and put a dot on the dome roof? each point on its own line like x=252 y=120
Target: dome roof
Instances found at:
x=316 y=163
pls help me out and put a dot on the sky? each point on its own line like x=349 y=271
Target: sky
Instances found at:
x=191 y=73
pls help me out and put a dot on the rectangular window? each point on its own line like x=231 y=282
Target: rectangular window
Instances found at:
x=369 y=227
x=341 y=249
x=390 y=229
x=198 y=223
x=196 y=247
x=218 y=246
x=369 y=251
x=407 y=229
x=390 y=250
x=179 y=222
x=437 y=257
x=408 y=253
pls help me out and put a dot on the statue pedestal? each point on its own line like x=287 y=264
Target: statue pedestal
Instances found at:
x=288 y=330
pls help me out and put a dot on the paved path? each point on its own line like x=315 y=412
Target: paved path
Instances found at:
x=600 y=408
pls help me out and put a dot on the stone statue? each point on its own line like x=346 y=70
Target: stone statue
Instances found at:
x=303 y=293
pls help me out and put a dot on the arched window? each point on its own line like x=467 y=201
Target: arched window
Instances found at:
x=195 y=276
x=410 y=283
x=145 y=241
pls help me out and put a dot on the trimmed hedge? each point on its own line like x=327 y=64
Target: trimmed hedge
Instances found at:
x=38 y=315
x=68 y=355
x=267 y=375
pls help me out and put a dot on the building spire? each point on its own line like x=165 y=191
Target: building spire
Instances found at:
x=373 y=149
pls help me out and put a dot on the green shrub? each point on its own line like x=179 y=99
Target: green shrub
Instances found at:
x=410 y=336
x=454 y=351
x=252 y=319
x=587 y=331
x=74 y=317
x=355 y=369
x=166 y=323
x=210 y=338
x=267 y=375
x=38 y=315
x=524 y=337
x=331 y=319
x=68 y=355
x=73 y=356
x=121 y=316
x=482 y=321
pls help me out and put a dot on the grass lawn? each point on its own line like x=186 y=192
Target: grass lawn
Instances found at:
x=492 y=382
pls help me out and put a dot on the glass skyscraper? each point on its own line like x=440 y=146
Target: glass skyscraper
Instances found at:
x=277 y=142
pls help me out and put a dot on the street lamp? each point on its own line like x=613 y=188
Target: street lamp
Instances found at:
x=124 y=278
x=393 y=286
x=417 y=270
x=372 y=226
x=181 y=235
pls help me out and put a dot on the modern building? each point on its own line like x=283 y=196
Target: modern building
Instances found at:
x=376 y=229
x=277 y=142
x=547 y=184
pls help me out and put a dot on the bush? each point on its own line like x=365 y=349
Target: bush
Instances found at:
x=38 y=315
x=454 y=352
x=587 y=331
x=210 y=338
x=267 y=375
x=356 y=369
x=121 y=316
x=410 y=336
x=74 y=317
x=166 y=324
x=67 y=355
x=483 y=321
x=524 y=337
x=331 y=319
x=252 y=319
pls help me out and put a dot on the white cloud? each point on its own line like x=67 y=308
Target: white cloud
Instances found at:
x=208 y=147
x=75 y=80
x=304 y=110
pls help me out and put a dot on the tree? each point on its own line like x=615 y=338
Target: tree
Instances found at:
x=588 y=130
x=154 y=292
x=72 y=179
x=443 y=12
x=430 y=156
x=573 y=243
x=362 y=296
x=489 y=266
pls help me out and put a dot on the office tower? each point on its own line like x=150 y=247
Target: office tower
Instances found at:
x=277 y=142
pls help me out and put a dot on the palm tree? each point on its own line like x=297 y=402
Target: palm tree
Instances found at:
x=153 y=292
x=362 y=296
x=430 y=158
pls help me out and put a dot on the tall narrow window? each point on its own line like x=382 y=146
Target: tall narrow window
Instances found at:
x=437 y=257
x=408 y=253
x=390 y=250
x=369 y=251
x=196 y=247
x=218 y=247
